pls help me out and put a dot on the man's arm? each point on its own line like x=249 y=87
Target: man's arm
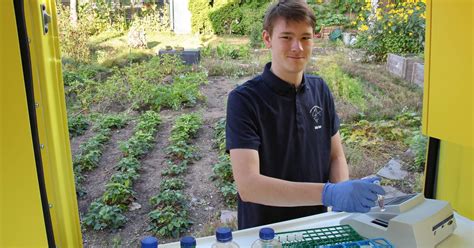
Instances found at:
x=257 y=188
x=339 y=168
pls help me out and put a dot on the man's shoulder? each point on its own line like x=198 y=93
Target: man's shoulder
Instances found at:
x=316 y=82
x=315 y=79
x=248 y=87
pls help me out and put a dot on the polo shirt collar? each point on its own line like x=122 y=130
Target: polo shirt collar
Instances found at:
x=278 y=85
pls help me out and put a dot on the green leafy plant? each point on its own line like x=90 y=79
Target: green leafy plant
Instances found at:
x=373 y=134
x=128 y=163
x=73 y=39
x=112 y=122
x=397 y=27
x=118 y=194
x=91 y=151
x=168 y=222
x=77 y=124
x=138 y=145
x=175 y=169
x=125 y=177
x=418 y=144
x=344 y=86
x=229 y=191
x=172 y=184
x=100 y=216
x=222 y=171
x=168 y=197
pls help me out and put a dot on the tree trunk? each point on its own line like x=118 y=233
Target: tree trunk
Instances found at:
x=73 y=9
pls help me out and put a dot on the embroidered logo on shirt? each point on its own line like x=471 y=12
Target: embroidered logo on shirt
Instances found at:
x=316 y=113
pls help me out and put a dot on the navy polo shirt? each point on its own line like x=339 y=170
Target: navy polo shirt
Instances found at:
x=290 y=128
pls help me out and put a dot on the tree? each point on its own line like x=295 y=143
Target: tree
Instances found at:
x=73 y=9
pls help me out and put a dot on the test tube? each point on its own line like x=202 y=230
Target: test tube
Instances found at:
x=380 y=199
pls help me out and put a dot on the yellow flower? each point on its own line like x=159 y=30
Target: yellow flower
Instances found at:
x=389 y=24
x=370 y=37
x=363 y=27
x=410 y=34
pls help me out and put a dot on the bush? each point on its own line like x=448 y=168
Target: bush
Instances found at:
x=335 y=13
x=100 y=216
x=77 y=124
x=200 y=22
x=397 y=28
x=73 y=39
x=99 y=16
x=418 y=145
x=255 y=36
x=169 y=222
x=227 y=16
x=153 y=19
x=224 y=16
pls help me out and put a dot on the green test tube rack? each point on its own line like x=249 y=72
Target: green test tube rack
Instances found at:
x=318 y=237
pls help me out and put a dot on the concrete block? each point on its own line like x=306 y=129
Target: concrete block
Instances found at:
x=396 y=65
x=189 y=56
x=418 y=75
x=393 y=170
x=410 y=61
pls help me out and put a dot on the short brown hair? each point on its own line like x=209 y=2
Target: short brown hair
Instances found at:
x=290 y=10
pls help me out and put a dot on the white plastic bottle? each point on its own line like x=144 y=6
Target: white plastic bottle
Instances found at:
x=267 y=239
x=224 y=238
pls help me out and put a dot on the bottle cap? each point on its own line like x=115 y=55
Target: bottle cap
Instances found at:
x=188 y=241
x=149 y=242
x=223 y=234
x=266 y=233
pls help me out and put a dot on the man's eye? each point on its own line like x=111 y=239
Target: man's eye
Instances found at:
x=284 y=37
x=306 y=38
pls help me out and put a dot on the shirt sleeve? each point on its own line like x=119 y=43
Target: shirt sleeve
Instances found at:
x=241 y=123
x=335 y=122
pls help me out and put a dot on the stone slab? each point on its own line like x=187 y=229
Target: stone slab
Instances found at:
x=189 y=56
x=393 y=170
x=418 y=75
x=396 y=65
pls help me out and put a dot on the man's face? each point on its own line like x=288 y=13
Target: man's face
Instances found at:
x=291 y=44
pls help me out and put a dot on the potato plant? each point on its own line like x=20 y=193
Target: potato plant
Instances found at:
x=223 y=170
x=170 y=217
x=119 y=193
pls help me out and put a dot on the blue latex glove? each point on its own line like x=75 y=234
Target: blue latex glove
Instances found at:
x=353 y=195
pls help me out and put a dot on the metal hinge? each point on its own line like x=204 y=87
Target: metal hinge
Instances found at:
x=46 y=19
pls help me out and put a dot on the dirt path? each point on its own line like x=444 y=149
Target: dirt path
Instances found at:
x=205 y=201
x=95 y=180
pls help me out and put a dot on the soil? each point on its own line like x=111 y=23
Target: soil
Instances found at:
x=206 y=202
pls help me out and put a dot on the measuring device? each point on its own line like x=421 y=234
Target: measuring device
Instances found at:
x=407 y=221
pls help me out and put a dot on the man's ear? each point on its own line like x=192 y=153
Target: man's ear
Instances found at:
x=267 y=39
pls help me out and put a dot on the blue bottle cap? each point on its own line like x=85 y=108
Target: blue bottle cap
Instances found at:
x=223 y=234
x=188 y=241
x=149 y=242
x=266 y=233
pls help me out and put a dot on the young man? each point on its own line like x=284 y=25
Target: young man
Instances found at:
x=282 y=133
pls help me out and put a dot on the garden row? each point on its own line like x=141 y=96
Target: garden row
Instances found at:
x=170 y=216
x=107 y=211
x=223 y=169
x=90 y=152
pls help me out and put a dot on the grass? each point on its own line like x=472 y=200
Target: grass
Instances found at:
x=209 y=228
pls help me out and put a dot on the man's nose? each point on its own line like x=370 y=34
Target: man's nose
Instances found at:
x=296 y=45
